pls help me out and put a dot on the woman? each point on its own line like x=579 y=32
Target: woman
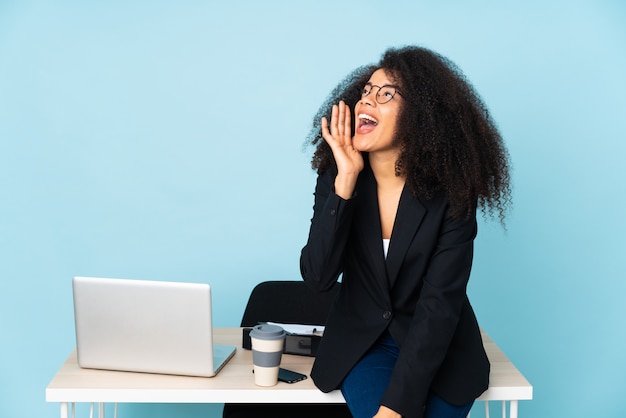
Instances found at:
x=405 y=153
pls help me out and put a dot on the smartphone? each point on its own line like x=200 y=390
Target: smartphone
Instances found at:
x=289 y=376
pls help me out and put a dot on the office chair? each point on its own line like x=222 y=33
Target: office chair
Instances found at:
x=288 y=302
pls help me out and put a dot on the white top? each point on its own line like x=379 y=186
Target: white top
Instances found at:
x=385 y=246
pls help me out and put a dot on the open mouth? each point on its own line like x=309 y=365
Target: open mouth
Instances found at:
x=367 y=120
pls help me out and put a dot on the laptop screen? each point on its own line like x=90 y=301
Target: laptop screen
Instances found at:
x=144 y=326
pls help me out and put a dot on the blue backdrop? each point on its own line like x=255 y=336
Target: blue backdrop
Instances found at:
x=163 y=140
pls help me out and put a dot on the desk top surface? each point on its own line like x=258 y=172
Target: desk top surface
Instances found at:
x=235 y=382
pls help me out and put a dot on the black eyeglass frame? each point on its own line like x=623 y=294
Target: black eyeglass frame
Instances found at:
x=378 y=95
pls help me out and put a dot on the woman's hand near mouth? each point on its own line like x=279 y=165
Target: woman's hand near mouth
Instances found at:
x=349 y=160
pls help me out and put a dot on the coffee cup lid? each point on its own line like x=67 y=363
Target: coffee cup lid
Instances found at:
x=267 y=332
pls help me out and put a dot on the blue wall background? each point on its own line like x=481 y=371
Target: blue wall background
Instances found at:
x=163 y=140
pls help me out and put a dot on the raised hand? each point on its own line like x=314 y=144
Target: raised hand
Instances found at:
x=339 y=137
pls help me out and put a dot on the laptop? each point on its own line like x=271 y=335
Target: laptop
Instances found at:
x=146 y=326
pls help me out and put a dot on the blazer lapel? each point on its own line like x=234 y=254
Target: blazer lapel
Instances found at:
x=370 y=229
x=408 y=219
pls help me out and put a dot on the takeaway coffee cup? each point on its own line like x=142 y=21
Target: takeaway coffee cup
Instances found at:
x=268 y=342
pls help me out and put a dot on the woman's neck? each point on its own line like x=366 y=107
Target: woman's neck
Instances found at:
x=389 y=188
x=384 y=169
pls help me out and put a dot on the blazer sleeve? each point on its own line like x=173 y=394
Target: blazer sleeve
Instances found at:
x=434 y=322
x=321 y=259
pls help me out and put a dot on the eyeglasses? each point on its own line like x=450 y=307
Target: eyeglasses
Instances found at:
x=384 y=95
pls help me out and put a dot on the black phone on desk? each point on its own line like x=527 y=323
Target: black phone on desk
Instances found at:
x=289 y=376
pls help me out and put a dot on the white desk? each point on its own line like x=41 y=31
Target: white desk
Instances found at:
x=235 y=384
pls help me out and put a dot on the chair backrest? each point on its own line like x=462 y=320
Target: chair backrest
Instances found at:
x=288 y=302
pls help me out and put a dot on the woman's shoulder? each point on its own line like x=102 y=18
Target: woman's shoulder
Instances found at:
x=440 y=203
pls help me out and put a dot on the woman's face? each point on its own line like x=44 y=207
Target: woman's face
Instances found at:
x=375 y=123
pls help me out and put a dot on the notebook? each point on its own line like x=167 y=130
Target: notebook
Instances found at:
x=146 y=326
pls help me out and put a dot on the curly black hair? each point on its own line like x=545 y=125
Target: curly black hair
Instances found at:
x=448 y=140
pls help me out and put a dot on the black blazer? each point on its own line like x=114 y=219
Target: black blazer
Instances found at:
x=418 y=293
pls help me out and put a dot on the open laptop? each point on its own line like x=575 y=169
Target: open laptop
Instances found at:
x=146 y=326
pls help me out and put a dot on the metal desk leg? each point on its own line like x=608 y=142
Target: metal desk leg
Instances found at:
x=513 y=412
x=65 y=409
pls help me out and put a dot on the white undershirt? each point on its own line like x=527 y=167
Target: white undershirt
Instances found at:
x=385 y=246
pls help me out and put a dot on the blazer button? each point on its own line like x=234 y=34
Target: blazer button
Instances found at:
x=333 y=211
x=387 y=315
